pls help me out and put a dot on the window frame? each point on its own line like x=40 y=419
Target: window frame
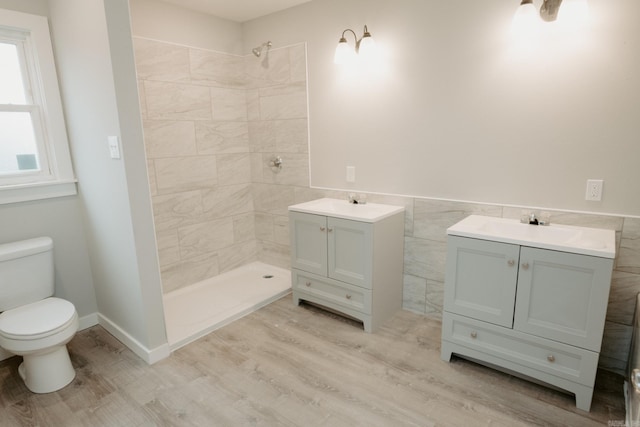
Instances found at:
x=55 y=177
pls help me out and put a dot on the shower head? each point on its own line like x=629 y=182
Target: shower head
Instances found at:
x=257 y=51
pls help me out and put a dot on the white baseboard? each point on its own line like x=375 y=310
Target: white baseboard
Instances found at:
x=150 y=356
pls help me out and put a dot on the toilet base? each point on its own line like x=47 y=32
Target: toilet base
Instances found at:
x=48 y=372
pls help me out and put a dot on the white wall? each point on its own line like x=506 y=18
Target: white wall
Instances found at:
x=158 y=20
x=455 y=115
x=59 y=218
x=100 y=99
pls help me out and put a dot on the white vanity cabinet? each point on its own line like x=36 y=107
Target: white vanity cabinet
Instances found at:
x=348 y=258
x=532 y=303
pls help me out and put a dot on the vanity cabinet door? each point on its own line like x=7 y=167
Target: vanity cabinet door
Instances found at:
x=309 y=242
x=563 y=296
x=350 y=248
x=481 y=279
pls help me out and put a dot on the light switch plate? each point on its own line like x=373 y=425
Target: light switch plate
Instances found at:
x=114 y=147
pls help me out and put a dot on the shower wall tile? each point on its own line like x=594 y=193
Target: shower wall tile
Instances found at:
x=168 y=247
x=234 y=168
x=205 y=238
x=161 y=61
x=274 y=199
x=291 y=136
x=265 y=228
x=244 y=228
x=229 y=104
x=237 y=255
x=294 y=171
x=186 y=173
x=216 y=69
x=263 y=137
x=281 y=229
x=177 y=209
x=274 y=254
x=253 y=104
x=151 y=173
x=142 y=99
x=222 y=137
x=283 y=102
x=175 y=101
x=227 y=200
x=268 y=70
x=184 y=273
x=298 y=63
x=165 y=138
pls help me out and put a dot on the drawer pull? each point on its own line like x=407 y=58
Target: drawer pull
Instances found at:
x=348 y=296
x=511 y=263
x=474 y=335
x=551 y=358
x=525 y=265
x=308 y=284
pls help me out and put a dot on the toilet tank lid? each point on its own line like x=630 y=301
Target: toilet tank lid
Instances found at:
x=13 y=250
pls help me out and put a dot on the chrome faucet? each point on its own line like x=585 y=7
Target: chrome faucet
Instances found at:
x=533 y=219
x=357 y=199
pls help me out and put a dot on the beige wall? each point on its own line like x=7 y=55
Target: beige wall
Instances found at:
x=455 y=115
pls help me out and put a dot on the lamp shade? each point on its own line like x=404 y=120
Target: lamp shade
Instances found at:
x=525 y=20
x=344 y=53
x=367 y=49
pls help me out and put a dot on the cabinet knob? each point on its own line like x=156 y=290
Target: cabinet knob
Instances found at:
x=322 y=229
x=308 y=284
x=551 y=358
x=511 y=263
x=330 y=230
x=525 y=265
x=474 y=334
x=348 y=296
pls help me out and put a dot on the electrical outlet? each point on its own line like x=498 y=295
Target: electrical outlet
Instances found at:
x=594 y=190
x=351 y=174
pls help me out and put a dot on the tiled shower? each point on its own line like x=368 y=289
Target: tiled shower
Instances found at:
x=212 y=123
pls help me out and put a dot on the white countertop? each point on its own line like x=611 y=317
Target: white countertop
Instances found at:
x=368 y=212
x=565 y=238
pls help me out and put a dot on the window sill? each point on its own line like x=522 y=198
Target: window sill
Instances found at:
x=36 y=191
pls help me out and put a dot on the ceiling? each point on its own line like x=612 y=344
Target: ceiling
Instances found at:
x=237 y=10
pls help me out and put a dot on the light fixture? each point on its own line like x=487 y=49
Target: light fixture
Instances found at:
x=550 y=9
x=365 y=47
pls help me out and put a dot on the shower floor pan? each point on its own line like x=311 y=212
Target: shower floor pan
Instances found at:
x=196 y=310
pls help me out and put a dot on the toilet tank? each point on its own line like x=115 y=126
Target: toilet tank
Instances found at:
x=26 y=272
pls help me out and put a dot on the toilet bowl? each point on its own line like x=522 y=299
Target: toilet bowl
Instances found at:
x=39 y=332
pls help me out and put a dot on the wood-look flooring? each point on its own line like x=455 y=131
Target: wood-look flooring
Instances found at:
x=296 y=366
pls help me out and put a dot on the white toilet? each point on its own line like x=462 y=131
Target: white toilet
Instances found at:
x=33 y=323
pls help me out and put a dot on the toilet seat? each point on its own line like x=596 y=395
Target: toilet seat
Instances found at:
x=37 y=320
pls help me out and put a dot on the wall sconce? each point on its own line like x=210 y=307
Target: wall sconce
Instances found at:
x=549 y=10
x=365 y=47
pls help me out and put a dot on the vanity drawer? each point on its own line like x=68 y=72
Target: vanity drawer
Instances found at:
x=333 y=291
x=554 y=358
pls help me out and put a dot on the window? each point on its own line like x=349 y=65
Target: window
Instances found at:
x=34 y=153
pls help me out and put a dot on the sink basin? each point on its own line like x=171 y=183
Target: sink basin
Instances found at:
x=566 y=238
x=369 y=212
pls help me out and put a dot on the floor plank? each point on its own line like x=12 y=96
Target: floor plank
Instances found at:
x=296 y=366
